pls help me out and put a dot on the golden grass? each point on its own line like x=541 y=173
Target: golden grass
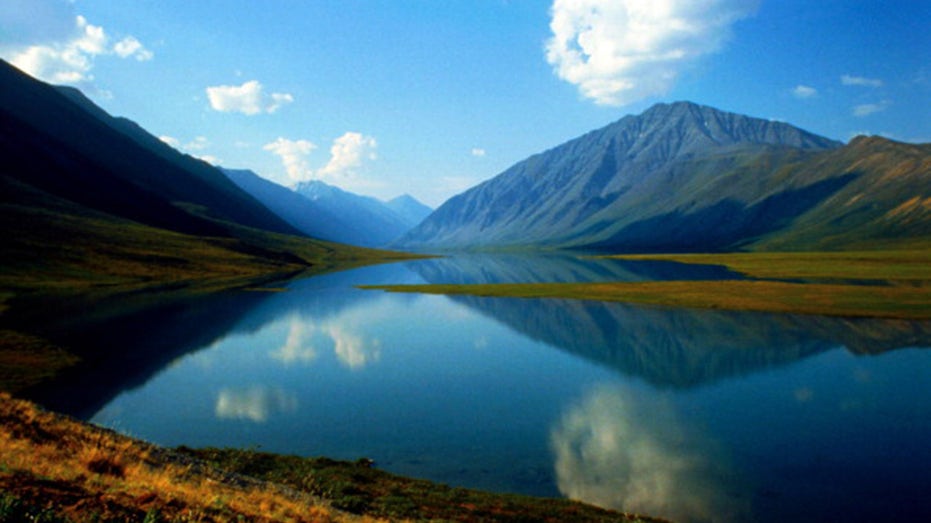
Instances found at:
x=899 y=265
x=122 y=476
x=875 y=284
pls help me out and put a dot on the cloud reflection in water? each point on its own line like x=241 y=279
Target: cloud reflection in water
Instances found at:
x=352 y=349
x=254 y=404
x=297 y=346
x=627 y=452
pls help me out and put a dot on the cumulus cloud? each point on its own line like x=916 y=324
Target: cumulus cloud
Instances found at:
x=868 y=109
x=65 y=52
x=293 y=154
x=804 y=91
x=347 y=154
x=616 y=450
x=860 y=81
x=248 y=98
x=621 y=51
x=131 y=47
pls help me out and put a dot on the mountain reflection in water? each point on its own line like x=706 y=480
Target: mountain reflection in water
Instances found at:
x=688 y=414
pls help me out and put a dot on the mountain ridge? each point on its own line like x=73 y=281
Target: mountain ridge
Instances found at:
x=79 y=145
x=678 y=177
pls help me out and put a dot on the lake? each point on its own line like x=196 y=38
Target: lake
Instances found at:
x=685 y=414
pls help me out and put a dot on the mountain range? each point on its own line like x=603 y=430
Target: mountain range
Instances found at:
x=323 y=211
x=678 y=177
x=87 y=197
x=685 y=177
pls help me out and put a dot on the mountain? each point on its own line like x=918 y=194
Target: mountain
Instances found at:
x=92 y=201
x=64 y=145
x=364 y=220
x=680 y=177
x=299 y=211
x=409 y=208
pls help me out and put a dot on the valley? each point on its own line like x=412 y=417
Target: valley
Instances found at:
x=664 y=276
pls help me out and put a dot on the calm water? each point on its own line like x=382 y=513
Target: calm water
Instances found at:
x=690 y=415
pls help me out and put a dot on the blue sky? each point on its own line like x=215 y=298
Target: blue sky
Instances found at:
x=431 y=97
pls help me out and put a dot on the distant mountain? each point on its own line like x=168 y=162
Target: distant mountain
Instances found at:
x=58 y=142
x=302 y=213
x=364 y=220
x=685 y=177
x=409 y=208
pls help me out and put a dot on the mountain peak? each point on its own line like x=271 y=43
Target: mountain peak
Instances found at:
x=587 y=190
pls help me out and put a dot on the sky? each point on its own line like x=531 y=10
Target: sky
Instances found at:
x=429 y=97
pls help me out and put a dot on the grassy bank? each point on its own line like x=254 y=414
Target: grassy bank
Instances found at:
x=53 y=468
x=882 y=284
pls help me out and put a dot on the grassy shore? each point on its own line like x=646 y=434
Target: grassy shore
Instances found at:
x=880 y=284
x=54 y=468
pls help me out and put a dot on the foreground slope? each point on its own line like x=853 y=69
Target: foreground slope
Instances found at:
x=55 y=468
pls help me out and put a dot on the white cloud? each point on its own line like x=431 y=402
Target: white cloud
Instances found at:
x=293 y=154
x=804 y=91
x=129 y=46
x=347 y=154
x=171 y=140
x=247 y=98
x=476 y=151
x=868 y=109
x=62 y=55
x=861 y=81
x=621 y=51
x=193 y=148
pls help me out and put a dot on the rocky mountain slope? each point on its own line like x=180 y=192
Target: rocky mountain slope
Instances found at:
x=679 y=177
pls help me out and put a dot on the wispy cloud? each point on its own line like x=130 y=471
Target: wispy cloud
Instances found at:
x=477 y=151
x=65 y=51
x=248 y=98
x=868 y=109
x=621 y=51
x=860 y=81
x=804 y=91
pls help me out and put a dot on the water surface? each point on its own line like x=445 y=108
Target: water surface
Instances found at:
x=689 y=415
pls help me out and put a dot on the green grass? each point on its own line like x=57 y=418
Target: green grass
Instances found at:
x=882 y=284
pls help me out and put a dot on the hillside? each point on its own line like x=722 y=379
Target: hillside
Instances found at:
x=92 y=201
x=679 y=177
x=64 y=146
